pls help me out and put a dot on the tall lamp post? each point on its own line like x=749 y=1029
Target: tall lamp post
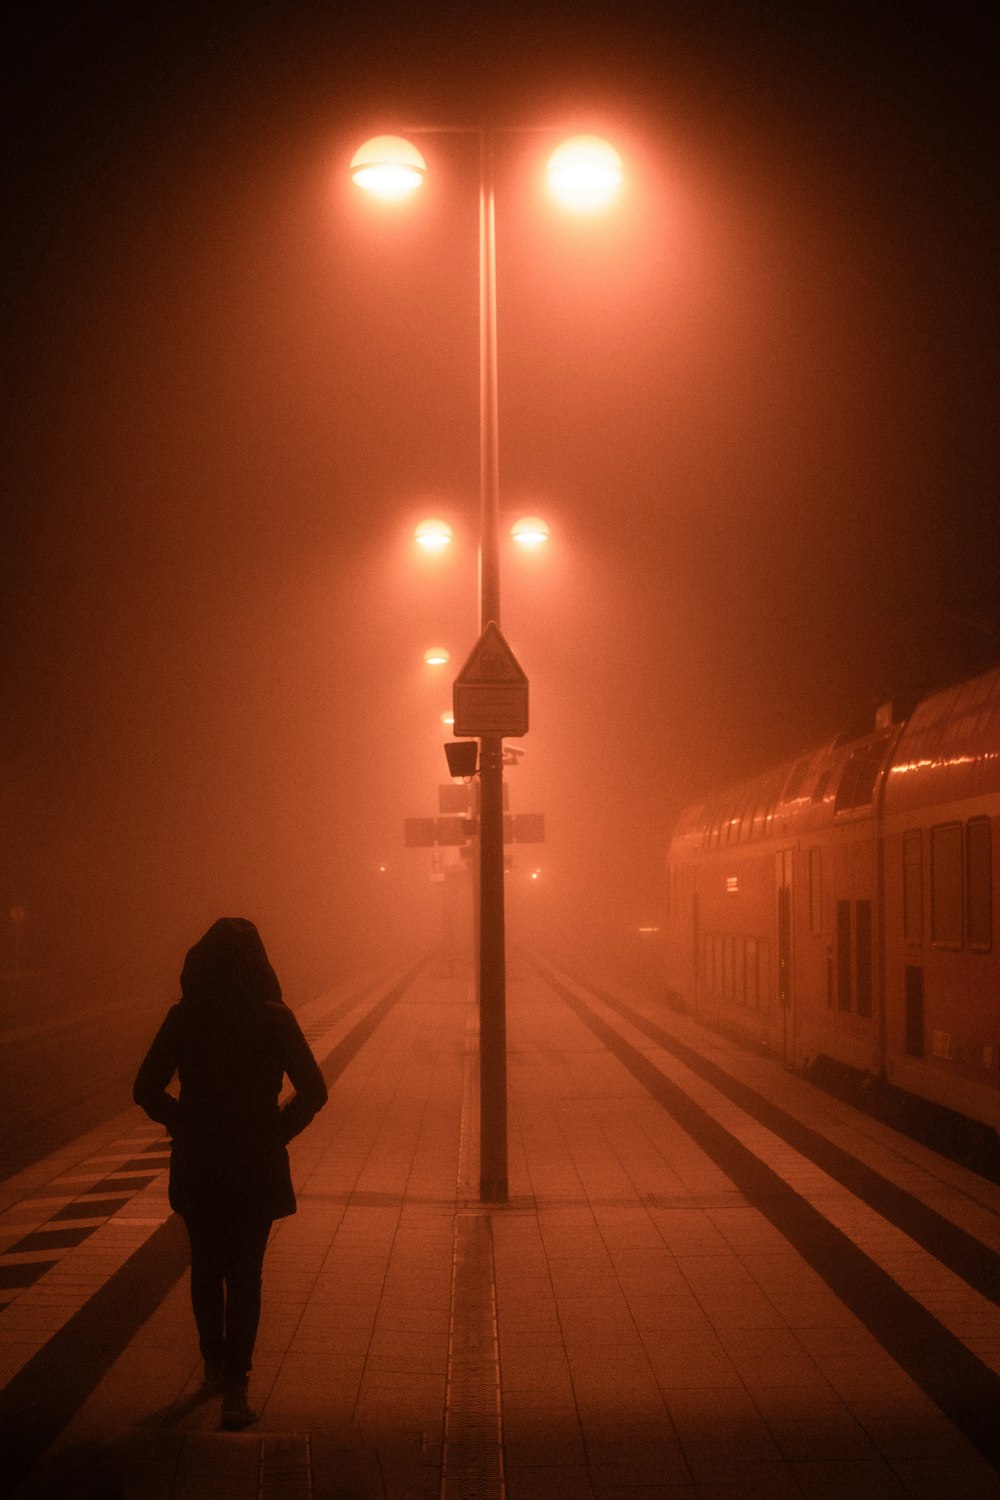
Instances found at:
x=584 y=173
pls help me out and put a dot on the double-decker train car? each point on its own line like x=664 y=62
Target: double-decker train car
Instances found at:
x=839 y=910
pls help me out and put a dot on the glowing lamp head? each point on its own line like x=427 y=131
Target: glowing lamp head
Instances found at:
x=436 y=656
x=447 y=720
x=388 y=167
x=530 y=532
x=433 y=536
x=584 y=173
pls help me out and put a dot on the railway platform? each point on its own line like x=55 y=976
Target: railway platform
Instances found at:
x=709 y=1281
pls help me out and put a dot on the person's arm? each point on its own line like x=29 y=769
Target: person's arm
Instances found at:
x=305 y=1077
x=155 y=1072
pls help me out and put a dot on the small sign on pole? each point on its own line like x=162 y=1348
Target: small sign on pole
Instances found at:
x=490 y=693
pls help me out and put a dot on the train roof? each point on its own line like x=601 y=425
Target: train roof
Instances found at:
x=949 y=749
x=946 y=749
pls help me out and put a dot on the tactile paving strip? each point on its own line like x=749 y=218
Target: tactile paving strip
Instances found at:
x=472 y=1466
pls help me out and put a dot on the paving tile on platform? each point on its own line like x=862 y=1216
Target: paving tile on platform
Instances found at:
x=909 y=1428
x=866 y=1480
x=667 y=1315
x=543 y=1435
x=771 y=1356
x=720 y=1432
x=808 y=1425
x=756 y=1481
x=544 y=1481
x=967 y=1477
x=411 y=1353
x=691 y=1361
x=317 y=1333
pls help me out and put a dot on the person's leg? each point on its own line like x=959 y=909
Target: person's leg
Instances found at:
x=208 y=1291
x=244 y=1265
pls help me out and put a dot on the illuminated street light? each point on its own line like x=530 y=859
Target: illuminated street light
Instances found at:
x=433 y=535
x=437 y=656
x=585 y=173
x=530 y=532
x=388 y=167
x=448 y=720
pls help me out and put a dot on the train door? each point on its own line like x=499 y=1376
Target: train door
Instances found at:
x=783 y=874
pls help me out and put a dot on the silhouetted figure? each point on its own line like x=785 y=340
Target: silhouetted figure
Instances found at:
x=231 y=1040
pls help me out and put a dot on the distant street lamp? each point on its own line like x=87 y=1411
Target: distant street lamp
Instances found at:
x=433 y=535
x=584 y=174
x=530 y=532
x=437 y=656
x=388 y=167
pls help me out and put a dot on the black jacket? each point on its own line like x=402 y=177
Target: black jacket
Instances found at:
x=231 y=1041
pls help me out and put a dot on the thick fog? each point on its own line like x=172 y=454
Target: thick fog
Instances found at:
x=751 y=401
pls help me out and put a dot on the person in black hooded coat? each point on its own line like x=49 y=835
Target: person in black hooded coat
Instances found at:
x=231 y=1040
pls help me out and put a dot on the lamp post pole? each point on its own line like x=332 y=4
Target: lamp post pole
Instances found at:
x=491 y=956
x=585 y=173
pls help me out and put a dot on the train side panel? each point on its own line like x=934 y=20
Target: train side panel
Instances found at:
x=942 y=864
x=842 y=910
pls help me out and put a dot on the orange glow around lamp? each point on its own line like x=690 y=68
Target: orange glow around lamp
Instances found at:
x=584 y=173
x=437 y=656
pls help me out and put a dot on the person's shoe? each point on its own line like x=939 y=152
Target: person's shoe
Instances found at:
x=236 y=1410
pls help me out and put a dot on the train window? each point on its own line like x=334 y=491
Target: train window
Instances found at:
x=819 y=790
x=815 y=890
x=750 y=971
x=978 y=885
x=857 y=784
x=863 y=956
x=796 y=781
x=913 y=886
x=946 y=885
x=843 y=955
x=914 y=980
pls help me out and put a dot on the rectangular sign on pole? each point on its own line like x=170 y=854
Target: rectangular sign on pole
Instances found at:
x=490 y=693
x=418 y=833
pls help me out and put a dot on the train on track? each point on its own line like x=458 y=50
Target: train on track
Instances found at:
x=840 y=910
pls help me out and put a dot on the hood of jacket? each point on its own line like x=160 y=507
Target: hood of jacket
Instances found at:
x=229 y=966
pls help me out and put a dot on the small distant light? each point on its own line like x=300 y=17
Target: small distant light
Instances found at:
x=732 y=885
x=649 y=929
x=530 y=531
x=388 y=167
x=433 y=535
x=535 y=874
x=448 y=720
x=436 y=656
x=382 y=869
x=585 y=173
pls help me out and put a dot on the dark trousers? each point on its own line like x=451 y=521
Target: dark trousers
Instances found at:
x=227 y=1258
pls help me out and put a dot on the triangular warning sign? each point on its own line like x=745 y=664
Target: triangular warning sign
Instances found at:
x=491 y=662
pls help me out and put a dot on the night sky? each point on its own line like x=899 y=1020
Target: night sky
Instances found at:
x=755 y=402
